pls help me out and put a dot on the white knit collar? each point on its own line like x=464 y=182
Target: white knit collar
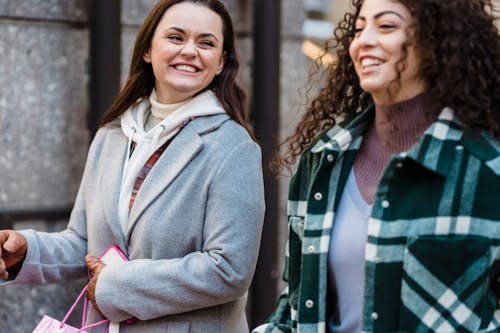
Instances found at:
x=160 y=110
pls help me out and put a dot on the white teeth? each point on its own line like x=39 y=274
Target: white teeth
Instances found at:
x=370 y=62
x=185 y=68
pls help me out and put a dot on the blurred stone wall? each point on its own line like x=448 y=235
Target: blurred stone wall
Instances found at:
x=293 y=76
x=43 y=103
x=44 y=53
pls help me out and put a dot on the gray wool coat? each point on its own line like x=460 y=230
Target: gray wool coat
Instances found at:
x=194 y=233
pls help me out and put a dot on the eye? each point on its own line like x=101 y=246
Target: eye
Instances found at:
x=175 y=38
x=358 y=27
x=387 y=27
x=207 y=43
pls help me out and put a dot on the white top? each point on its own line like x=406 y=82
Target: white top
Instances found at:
x=160 y=111
x=346 y=258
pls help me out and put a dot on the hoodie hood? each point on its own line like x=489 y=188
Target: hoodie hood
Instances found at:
x=132 y=121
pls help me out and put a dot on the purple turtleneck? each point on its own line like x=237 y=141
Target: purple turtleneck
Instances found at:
x=395 y=129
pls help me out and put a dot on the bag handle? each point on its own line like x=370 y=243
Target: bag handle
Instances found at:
x=84 y=314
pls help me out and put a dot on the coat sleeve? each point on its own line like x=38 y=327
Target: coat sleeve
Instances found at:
x=283 y=319
x=59 y=256
x=279 y=321
x=219 y=273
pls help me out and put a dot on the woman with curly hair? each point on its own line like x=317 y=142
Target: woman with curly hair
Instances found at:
x=394 y=213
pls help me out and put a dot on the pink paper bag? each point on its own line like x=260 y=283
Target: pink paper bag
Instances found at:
x=50 y=325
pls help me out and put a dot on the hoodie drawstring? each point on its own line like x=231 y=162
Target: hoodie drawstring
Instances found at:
x=155 y=139
x=130 y=149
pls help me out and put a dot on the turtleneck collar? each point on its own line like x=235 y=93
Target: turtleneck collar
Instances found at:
x=396 y=128
x=160 y=110
x=399 y=125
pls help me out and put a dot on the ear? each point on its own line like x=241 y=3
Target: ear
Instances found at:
x=222 y=62
x=146 y=57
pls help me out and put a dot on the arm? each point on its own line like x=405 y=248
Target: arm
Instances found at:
x=52 y=257
x=40 y=257
x=283 y=318
x=219 y=273
x=279 y=321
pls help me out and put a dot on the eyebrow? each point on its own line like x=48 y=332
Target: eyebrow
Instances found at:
x=203 y=35
x=378 y=15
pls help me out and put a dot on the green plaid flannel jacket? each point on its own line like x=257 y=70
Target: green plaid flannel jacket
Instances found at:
x=433 y=248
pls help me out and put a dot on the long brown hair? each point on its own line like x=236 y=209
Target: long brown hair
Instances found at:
x=141 y=80
x=459 y=47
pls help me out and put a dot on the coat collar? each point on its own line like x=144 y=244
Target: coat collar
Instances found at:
x=111 y=164
x=438 y=147
x=435 y=150
x=484 y=147
x=341 y=136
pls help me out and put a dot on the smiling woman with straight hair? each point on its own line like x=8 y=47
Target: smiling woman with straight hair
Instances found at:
x=173 y=179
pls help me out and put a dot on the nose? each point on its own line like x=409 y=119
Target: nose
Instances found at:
x=189 y=49
x=367 y=37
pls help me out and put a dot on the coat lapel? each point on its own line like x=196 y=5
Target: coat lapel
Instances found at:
x=178 y=154
x=113 y=158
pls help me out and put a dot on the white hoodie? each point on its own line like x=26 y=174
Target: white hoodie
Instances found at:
x=147 y=141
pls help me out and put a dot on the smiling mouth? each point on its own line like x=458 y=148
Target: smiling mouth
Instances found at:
x=186 y=68
x=370 y=62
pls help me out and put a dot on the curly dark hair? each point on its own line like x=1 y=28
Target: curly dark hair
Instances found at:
x=459 y=47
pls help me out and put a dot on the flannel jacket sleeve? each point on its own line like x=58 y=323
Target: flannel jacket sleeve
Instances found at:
x=279 y=321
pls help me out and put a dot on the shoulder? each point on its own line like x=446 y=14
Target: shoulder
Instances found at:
x=222 y=132
x=485 y=147
x=342 y=135
x=105 y=138
x=104 y=132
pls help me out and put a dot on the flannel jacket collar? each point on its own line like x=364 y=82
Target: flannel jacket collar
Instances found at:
x=446 y=129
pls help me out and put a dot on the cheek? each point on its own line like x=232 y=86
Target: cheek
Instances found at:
x=213 y=60
x=413 y=59
x=353 y=54
x=353 y=51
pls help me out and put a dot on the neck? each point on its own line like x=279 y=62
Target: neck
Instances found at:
x=395 y=129
x=398 y=126
x=160 y=111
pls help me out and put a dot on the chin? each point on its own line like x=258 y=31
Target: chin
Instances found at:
x=374 y=89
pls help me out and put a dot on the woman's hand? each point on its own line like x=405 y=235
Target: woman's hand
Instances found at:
x=13 y=249
x=95 y=266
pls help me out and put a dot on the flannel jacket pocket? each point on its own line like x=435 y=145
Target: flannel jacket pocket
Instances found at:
x=446 y=284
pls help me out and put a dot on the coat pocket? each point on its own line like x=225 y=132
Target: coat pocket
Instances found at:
x=445 y=284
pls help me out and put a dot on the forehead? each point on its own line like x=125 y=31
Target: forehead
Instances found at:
x=371 y=8
x=191 y=17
